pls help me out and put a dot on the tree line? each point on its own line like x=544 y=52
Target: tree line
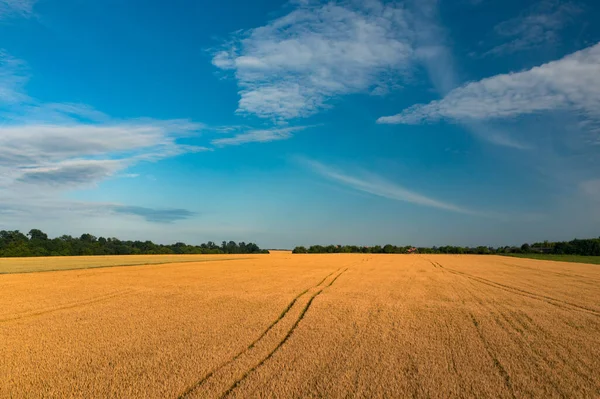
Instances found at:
x=588 y=247
x=37 y=243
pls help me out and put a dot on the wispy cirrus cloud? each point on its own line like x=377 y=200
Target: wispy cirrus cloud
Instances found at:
x=259 y=136
x=295 y=64
x=570 y=83
x=83 y=154
x=160 y=215
x=66 y=212
x=78 y=172
x=13 y=76
x=22 y=8
x=376 y=185
x=434 y=52
x=49 y=149
x=539 y=25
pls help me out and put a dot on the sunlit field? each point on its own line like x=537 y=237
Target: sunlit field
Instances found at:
x=57 y=263
x=283 y=325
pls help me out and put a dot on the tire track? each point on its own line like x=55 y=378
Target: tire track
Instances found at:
x=68 y=269
x=499 y=314
x=79 y=304
x=485 y=343
x=577 y=277
x=578 y=367
x=501 y=370
x=319 y=287
x=552 y=301
x=522 y=325
x=282 y=342
x=451 y=350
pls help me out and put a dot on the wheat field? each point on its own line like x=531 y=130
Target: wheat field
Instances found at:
x=58 y=263
x=283 y=325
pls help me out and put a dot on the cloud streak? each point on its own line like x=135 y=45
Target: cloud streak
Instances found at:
x=31 y=153
x=537 y=26
x=53 y=208
x=259 y=136
x=70 y=145
x=435 y=54
x=22 y=8
x=570 y=83
x=13 y=77
x=295 y=64
x=380 y=187
x=70 y=173
x=49 y=149
x=154 y=215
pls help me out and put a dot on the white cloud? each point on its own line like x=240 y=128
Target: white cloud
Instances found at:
x=33 y=112
x=66 y=173
x=259 y=136
x=435 y=54
x=292 y=66
x=12 y=79
x=168 y=215
x=380 y=187
x=538 y=25
x=49 y=149
x=16 y=7
x=570 y=83
x=495 y=135
x=64 y=213
x=40 y=164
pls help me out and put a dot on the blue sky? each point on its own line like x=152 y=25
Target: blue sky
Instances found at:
x=470 y=122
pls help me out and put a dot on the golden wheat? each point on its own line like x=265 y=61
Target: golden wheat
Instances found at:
x=285 y=325
x=58 y=263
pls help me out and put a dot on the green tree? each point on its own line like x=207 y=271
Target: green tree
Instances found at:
x=38 y=235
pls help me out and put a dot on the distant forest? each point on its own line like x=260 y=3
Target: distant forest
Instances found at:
x=36 y=243
x=587 y=247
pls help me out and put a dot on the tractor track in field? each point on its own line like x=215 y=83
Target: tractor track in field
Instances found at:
x=314 y=291
x=491 y=353
x=519 y=327
x=79 y=304
x=500 y=315
x=544 y=298
x=499 y=367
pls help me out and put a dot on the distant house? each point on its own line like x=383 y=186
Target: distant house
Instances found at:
x=412 y=250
